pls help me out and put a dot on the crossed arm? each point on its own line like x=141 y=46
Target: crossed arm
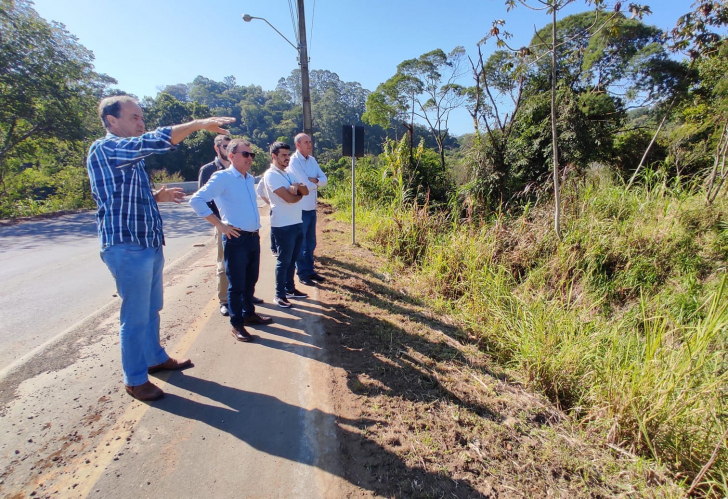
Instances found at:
x=293 y=193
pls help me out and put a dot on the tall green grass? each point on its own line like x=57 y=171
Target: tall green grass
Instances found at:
x=623 y=323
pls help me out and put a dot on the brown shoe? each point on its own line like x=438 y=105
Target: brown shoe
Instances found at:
x=145 y=392
x=242 y=335
x=170 y=365
x=258 y=319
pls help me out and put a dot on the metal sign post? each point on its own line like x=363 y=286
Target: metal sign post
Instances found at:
x=353 y=184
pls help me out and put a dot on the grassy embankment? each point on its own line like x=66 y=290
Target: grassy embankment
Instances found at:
x=623 y=324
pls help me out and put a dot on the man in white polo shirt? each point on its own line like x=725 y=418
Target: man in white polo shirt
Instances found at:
x=305 y=167
x=233 y=191
x=283 y=192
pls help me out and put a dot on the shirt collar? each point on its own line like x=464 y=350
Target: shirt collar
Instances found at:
x=275 y=168
x=237 y=173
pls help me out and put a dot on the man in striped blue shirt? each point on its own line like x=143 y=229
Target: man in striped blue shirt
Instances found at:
x=233 y=191
x=130 y=231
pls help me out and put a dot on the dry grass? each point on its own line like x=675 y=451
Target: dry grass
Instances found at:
x=437 y=417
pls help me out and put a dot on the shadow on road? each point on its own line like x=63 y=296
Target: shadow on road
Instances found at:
x=256 y=419
x=358 y=349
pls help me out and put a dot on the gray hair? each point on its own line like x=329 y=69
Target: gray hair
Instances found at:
x=233 y=145
x=298 y=138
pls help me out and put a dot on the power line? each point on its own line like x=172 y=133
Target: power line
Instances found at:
x=294 y=21
x=310 y=38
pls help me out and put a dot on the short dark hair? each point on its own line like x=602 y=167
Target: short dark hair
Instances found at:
x=111 y=106
x=220 y=138
x=277 y=146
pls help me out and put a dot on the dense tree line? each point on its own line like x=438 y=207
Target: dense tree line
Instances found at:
x=618 y=80
x=617 y=77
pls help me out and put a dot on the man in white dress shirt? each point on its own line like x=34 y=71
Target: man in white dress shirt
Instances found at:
x=309 y=173
x=233 y=191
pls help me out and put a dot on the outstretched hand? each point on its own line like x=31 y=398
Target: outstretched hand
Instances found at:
x=169 y=195
x=215 y=124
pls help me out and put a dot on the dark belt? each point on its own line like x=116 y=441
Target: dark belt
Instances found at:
x=246 y=233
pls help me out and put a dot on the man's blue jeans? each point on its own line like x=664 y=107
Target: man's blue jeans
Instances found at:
x=304 y=263
x=288 y=243
x=272 y=240
x=242 y=263
x=138 y=274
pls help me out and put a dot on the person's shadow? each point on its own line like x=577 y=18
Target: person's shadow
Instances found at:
x=277 y=428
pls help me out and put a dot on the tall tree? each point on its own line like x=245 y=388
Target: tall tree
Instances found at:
x=48 y=86
x=561 y=51
x=493 y=102
x=425 y=88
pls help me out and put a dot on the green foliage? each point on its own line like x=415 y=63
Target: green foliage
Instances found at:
x=48 y=89
x=56 y=181
x=424 y=87
x=623 y=323
x=629 y=146
x=164 y=177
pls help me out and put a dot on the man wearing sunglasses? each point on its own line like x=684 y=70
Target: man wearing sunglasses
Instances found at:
x=233 y=191
x=206 y=171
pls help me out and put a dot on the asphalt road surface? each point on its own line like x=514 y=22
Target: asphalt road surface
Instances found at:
x=52 y=277
x=249 y=420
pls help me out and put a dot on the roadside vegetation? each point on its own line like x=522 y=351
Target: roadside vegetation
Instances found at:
x=623 y=324
x=601 y=283
x=577 y=238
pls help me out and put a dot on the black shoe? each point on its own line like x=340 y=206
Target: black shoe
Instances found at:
x=295 y=294
x=257 y=301
x=241 y=334
x=307 y=281
x=282 y=302
x=316 y=278
x=224 y=310
x=257 y=319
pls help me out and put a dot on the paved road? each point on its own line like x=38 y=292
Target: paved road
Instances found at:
x=52 y=276
x=251 y=420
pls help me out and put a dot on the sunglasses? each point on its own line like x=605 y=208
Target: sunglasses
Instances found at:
x=246 y=154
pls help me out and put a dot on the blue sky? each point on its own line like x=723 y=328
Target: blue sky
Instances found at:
x=147 y=44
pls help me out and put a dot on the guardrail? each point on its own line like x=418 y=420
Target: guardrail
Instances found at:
x=188 y=187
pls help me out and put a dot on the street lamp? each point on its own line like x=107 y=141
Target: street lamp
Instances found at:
x=247 y=18
x=302 y=61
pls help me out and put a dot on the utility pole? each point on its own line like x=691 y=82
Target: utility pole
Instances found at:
x=303 y=60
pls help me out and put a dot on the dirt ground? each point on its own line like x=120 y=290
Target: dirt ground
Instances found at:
x=435 y=417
